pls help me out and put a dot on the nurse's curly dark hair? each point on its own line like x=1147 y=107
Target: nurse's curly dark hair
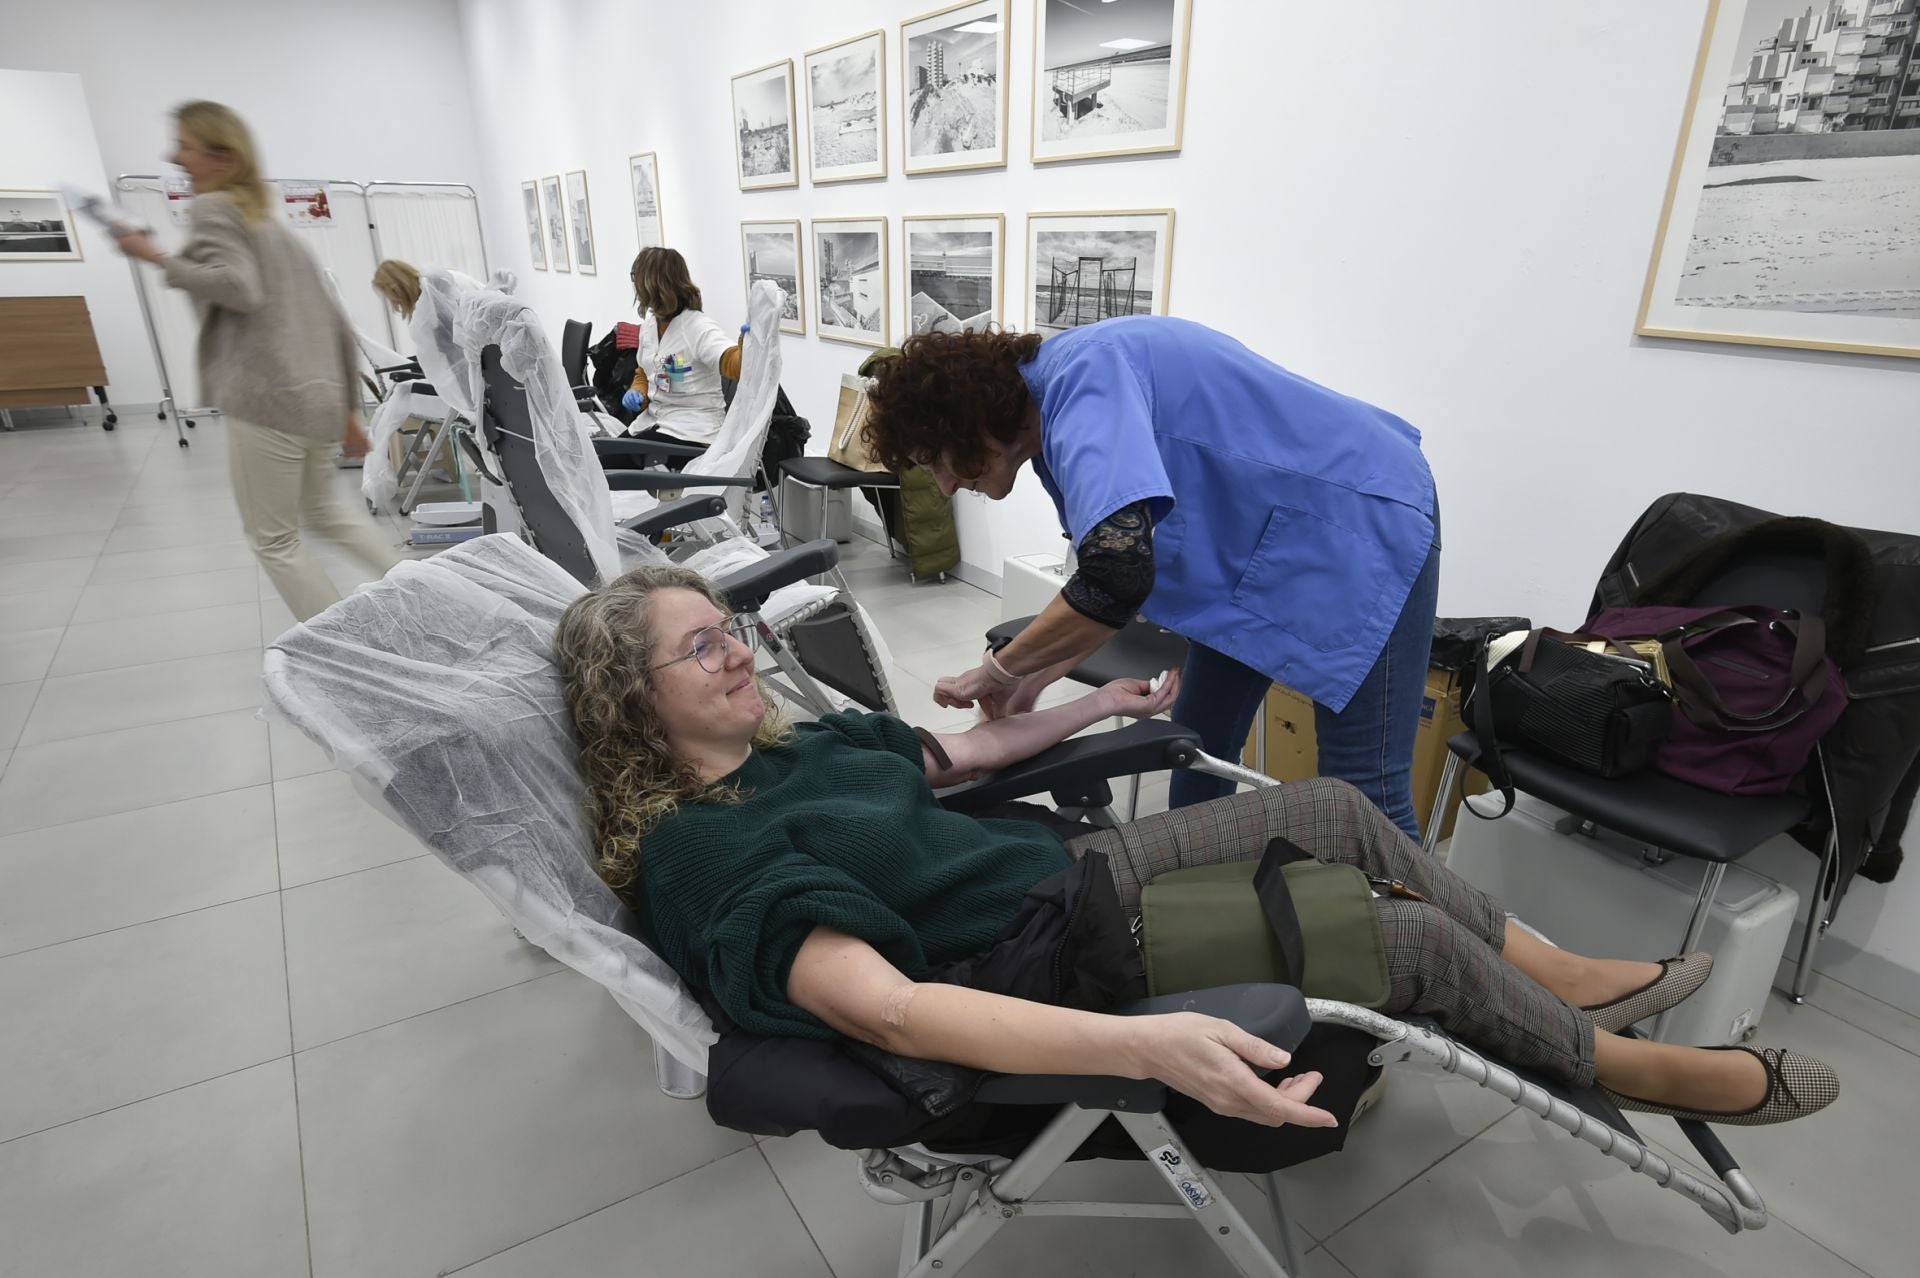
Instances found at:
x=944 y=395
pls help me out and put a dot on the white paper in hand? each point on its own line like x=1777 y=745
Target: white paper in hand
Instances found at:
x=110 y=217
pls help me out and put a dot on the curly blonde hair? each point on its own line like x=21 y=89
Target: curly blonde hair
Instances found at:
x=605 y=648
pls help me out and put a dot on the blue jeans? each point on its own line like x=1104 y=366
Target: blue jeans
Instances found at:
x=1369 y=744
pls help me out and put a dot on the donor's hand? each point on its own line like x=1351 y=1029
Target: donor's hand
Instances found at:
x=1213 y=1061
x=1137 y=698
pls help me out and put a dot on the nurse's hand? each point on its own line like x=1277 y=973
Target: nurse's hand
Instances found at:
x=982 y=686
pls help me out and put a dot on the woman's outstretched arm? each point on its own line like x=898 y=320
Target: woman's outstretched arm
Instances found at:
x=995 y=743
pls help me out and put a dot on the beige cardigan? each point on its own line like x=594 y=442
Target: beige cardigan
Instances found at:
x=274 y=348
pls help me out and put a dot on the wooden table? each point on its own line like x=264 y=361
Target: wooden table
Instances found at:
x=48 y=356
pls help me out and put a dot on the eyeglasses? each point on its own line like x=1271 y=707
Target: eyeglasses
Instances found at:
x=710 y=644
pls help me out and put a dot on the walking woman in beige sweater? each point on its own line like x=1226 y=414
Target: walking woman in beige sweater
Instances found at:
x=276 y=358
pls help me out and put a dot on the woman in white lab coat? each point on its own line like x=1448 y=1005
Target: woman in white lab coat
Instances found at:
x=684 y=354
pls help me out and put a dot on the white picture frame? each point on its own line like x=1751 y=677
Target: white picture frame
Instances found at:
x=766 y=152
x=1109 y=79
x=953 y=272
x=770 y=249
x=643 y=184
x=953 y=88
x=1083 y=267
x=847 y=109
x=1783 y=209
x=37 y=226
x=850 y=280
x=536 y=232
x=580 y=223
x=553 y=205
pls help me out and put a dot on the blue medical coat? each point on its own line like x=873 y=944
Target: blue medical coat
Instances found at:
x=1290 y=521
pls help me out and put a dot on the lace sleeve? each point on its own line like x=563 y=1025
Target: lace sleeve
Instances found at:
x=1115 y=574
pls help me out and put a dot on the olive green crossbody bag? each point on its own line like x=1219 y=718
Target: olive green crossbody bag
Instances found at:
x=1286 y=918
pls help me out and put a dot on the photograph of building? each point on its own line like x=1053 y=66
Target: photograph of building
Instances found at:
x=1107 y=69
x=953 y=92
x=581 y=220
x=34 y=224
x=554 y=204
x=951 y=285
x=763 y=123
x=643 y=172
x=773 y=253
x=536 y=242
x=849 y=276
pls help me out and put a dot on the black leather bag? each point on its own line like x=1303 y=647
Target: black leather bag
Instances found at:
x=1600 y=712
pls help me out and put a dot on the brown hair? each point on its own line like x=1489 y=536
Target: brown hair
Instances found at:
x=945 y=395
x=605 y=650
x=662 y=283
x=399 y=283
x=219 y=130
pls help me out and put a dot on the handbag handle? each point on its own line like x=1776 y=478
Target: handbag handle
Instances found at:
x=1572 y=639
x=1808 y=674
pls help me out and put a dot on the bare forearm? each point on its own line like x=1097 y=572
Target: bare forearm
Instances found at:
x=1058 y=634
x=998 y=742
x=1008 y=1035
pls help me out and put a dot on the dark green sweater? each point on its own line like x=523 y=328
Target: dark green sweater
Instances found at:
x=839 y=827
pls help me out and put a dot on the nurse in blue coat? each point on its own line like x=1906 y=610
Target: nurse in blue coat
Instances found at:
x=1287 y=531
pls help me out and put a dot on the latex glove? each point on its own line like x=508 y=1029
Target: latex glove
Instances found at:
x=1136 y=698
x=1213 y=1061
x=355 y=442
x=633 y=401
x=983 y=686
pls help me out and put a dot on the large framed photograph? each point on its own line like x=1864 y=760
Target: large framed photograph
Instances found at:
x=955 y=266
x=1793 y=209
x=847 y=109
x=36 y=226
x=536 y=234
x=772 y=252
x=580 y=220
x=953 y=71
x=643 y=170
x=1086 y=267
x=764 y=151
x=554 y=205
x=850 y=275
x=1108 y=79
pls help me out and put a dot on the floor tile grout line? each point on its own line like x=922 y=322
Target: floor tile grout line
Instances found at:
x=184 y=798
x=135 y=727
x=293 y=1065
x=638 y=1193
x=158 y=918
x=414 y=1016
x=794 y=1207
x=141 y=1100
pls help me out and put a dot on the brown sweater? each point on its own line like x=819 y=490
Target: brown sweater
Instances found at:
x=274 y=348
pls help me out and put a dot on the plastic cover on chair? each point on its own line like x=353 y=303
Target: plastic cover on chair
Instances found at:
x=435 y=689
x=450 y=370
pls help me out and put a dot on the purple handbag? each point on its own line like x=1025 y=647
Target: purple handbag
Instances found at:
x=1755 y=687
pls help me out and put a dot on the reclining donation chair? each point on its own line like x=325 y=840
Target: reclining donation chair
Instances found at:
x=435 y=691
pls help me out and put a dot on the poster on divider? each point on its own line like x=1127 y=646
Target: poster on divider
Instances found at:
x=179 y=189
x=306 y=203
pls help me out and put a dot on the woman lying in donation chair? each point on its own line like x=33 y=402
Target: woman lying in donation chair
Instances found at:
x=807 y=877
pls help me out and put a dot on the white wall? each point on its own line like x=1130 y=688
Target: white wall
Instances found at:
x=353 y=89
x=60 y=148
x=1466 y=250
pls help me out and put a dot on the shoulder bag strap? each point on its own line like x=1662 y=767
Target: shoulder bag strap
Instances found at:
x=1276 y=902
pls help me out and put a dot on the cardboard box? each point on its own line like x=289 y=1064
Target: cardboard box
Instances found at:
x=1293 y=754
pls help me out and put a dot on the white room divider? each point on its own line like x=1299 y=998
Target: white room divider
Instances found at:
x=428 y=224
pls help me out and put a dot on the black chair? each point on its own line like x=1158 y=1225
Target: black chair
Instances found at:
x=575 y=337
x=826 y=475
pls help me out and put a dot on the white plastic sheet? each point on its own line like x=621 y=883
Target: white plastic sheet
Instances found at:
x=453 y=373
x=436 y=691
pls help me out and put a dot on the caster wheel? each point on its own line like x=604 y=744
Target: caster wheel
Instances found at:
x=163 y=414
x=107 y=424
x=183 y=443
x=189 y=422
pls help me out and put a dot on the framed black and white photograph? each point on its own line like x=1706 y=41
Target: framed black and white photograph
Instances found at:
x=1793 y=208
x=554 y=205
x=955 y=266
x=643 y=171
x=850 y=279
x=953 y=88
x=580 y=222
x=1110 y=78
x=36 y=226
x=1086 y=267
x=764 y=151
x=847 y=109
x=536 y=234
x=772 y=252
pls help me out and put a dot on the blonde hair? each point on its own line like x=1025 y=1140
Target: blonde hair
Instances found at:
x=605 y=649
x=218 y=130
x=399 y=283
x=662 y=284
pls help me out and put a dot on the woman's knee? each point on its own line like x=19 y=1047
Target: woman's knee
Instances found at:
x=1332 y=793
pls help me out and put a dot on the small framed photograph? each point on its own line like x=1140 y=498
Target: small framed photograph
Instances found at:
x=764 y=151
x=953 y=70
x=955 y=266
x=850 y=279
x=1108 y=79
x=772 y=252
x=1086 y=267
x=1791 y=204
x=847 y=109
x=644 y=172
x=37 y=226
x=536 y=234
x=580 y=220
x=554 y=205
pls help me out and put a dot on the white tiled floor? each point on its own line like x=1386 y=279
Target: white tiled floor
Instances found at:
x=250 y=1029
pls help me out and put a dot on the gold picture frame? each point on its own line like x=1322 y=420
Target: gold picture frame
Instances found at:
x=1810 y=295
x=938 y=314
x=841 y=260
x=1066 y=93
x=797 y=323
x=42 y=225
x=929 y=75
x=1052 y=288
x=857 y=170
x=757 y=145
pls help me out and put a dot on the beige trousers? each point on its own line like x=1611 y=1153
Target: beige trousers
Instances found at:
x=283 y=482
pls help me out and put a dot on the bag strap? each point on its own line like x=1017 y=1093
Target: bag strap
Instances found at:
x=1479 y=709
x=1572 y=639
x=1808 y=675
x=1276 y=902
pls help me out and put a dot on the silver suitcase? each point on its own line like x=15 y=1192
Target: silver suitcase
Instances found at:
x=1599 y=895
